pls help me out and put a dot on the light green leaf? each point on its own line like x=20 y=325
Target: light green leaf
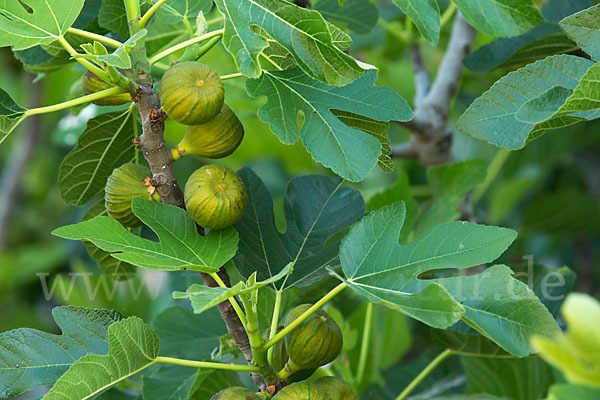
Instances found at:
x=576 y=353
x=11 y=114
x=30 y=358
x=132 y=347
x=500 y=17
x=426 y=16
x=359 y=16
x=563 y=391
x=584 y=29
x=120 y=57
x=303 y=32
x=204 y=297
x=180 y=246
x=118 y=270
x=349 y=152
x=449 y=183
x=496 y=116
x=27 y=24
x=381 y=270
x=315 y=208
x=103 y=146
x=175 y=11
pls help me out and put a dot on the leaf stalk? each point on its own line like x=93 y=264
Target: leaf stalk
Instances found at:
x=207 y=364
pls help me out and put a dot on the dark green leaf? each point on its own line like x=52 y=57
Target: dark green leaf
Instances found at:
x=303 y=32
x=208 y=383
x=359 y=16
x=104 y=146
x=180 y=246
x=30 y=358
x=349 y=152
x=315 y=207
x=113 y=17
x=174 y=11
x=184 y=334
x=170 y=382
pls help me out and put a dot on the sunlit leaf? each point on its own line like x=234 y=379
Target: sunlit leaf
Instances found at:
x=584 y=28
x=11 y=114
x=426 y=16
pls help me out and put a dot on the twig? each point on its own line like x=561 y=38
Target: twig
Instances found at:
x=422 y=77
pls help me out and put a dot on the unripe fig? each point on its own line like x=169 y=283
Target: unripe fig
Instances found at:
x=215 y=196
x=336 y=388
x=301 y=391
x=92 y=84
x=315 y=342
x=191 y=93
x=122 y=186
x=279 y=359
x=216 y=138
x=236 y=393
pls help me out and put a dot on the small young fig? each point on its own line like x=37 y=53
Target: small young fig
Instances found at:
x=92 y=84
x=122 y=186
x=301 y=391
x=191 y=93
x=315 y=342
x=336 y=388
x=215 y=196
x=236 y=393
x=216 y=138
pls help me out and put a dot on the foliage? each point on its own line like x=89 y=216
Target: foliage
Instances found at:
x=416 y=264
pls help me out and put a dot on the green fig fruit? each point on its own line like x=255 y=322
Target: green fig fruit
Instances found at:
x=122 y=186
x=236 y=393
x=301 y=391
x=92 y=84
x=336 y=388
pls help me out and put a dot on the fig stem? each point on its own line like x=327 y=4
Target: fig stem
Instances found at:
x=206 y=364
x=274 y=322
x=294 y=324
x=183 y=45
x=231 y=76
x=94 y=36
x=80 y=100
x=132 y=9
x=423 y=374
x=364 y=347
x=232 y=300
x=150 y=12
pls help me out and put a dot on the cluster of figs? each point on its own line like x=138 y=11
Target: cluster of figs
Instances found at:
x=317 y=341
x=192 y=94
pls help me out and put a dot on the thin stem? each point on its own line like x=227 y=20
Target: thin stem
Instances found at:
x=215 y=20
x=364 y=347
x=232 y=300
x=274 y=321
x=493 y=171
x=95 y=36
x=150 y=13
x=332 y=293
x=80 y=100
x=183 y=45
x=423 y=374
x=97 y=71
x=259 y=355
x=447 y=15
x=231 y=76
x=206 y=364
x=193 y=54
x=132 y=9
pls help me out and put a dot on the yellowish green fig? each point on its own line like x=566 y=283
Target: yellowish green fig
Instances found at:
x=315 y=342
x=215 y=196
x=301 y=391
x=122 y=186
x=236 y=393
x=336 y=388
x=92 y=84
x=191 y=93
x=217 y=138
x=279 y=359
